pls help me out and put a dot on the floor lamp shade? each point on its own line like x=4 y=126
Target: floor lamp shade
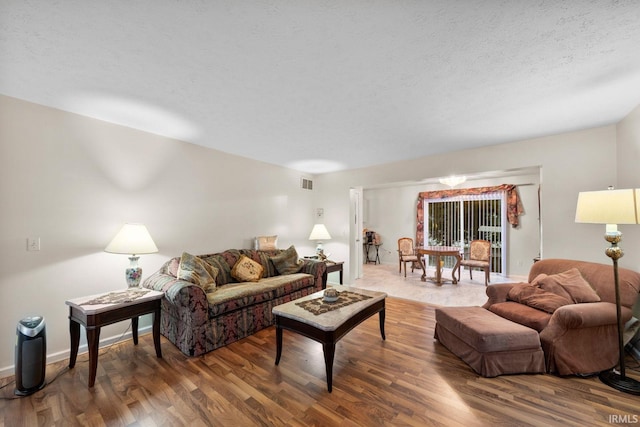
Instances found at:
x=612 y=207
x=132 y=239
x=608 y=207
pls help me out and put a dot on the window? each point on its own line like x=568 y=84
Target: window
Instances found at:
x=456 y=220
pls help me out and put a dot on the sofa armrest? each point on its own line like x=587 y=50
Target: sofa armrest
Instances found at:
x=497 y=293
x=184 y=299
x=316 y=268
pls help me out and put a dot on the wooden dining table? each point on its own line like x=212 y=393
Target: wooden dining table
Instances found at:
x=438 y=252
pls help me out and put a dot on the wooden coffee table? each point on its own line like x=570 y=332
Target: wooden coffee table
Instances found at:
x=327 y=328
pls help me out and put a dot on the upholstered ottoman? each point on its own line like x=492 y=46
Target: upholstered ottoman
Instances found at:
x=490 y=344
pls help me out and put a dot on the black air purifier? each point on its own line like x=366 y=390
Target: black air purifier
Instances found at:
x=31 y=355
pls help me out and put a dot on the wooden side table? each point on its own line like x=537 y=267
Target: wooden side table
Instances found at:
x=367 y=247
x=94 y=312
x=333 y=266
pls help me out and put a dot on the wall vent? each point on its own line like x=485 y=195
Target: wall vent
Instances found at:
x=306 y=184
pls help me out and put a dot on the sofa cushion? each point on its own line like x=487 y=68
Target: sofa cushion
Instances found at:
x=572 y=283
x=522 y=314
x=536 y=297
x=195 y=270
x=247 y=270
x=234 y=296
x=287 y=261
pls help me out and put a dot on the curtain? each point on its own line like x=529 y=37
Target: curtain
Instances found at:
x=514 y=206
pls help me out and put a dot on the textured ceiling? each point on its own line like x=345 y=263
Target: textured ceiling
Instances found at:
x=328 y=85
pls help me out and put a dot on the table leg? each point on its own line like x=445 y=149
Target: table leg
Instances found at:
x=424 y=269
x=156 y=333
x=381 y=315
x=74 y=333
x=456 y=268
x=278 y=343
x=93 y=336
x=438 y=270
x=329 y=349
x=134 y=329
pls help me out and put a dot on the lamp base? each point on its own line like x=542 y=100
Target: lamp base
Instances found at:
x=615 y=380
x=133 y=273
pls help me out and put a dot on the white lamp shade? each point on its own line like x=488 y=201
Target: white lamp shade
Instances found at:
x=319 y=232
x=132 y=239
x=608 y=207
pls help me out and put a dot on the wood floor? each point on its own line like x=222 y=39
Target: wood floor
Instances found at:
x=409 y=379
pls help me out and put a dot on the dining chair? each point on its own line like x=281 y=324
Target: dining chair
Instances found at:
x=406 y=254
x=479 y=257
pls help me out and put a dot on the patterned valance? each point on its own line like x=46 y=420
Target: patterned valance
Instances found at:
x=514 y=206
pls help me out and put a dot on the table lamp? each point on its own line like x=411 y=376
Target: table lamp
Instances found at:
x=132 y=239
x=319 y=233
x=612 y=207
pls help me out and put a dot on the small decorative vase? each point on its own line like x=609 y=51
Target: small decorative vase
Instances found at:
x=133 y=273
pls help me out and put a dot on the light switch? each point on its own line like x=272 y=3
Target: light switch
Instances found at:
x=33 y=244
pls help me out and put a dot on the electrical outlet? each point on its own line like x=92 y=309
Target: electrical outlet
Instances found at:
x=33 y=244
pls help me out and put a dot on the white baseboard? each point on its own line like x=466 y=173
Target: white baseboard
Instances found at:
x=62 y=355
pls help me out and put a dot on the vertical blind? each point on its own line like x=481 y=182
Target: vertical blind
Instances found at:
x=456 y=221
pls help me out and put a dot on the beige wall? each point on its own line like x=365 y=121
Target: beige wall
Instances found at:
x=73 y=181
x=569 y=163
x=628 y=167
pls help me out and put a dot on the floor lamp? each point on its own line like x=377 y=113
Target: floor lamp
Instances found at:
x=612 y=207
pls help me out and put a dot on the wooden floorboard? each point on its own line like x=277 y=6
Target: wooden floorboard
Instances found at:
x=407 y=380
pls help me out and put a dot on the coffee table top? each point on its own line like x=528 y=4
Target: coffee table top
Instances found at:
x=330 y=320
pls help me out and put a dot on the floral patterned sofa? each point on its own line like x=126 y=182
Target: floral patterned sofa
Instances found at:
x=198 y=322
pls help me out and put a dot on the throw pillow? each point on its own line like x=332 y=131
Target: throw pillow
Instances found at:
x=287 y=261
x=537 y=279
x=246 y=270
x=572 y=282
x=550 y=286
x=267 y=243
x=538 y=298
x=195 y=270
x=171 y=267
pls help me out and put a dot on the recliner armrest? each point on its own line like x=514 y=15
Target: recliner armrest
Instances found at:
x=587 y=315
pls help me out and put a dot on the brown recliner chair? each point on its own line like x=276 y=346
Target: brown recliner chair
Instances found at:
x=578 y=338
